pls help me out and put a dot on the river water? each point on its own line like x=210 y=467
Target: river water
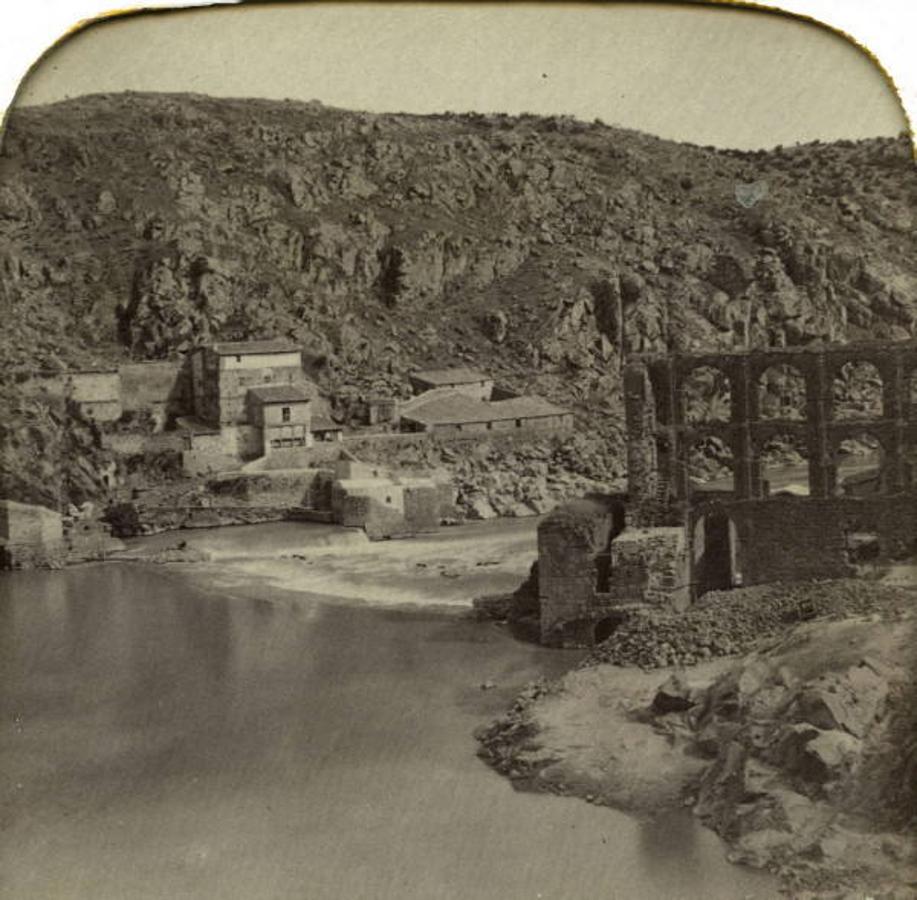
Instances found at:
x=166 y=734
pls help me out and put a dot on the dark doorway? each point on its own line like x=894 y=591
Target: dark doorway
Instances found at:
x=714 y=553
x=606 y=627
x=602 y=573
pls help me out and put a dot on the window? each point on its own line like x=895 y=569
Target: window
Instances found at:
x=285 y=414
x=238 y=358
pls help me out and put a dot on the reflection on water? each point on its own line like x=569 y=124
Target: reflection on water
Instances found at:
x=160 y=741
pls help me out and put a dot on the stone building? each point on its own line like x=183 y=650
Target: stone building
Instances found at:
x=37 y=537
x=251 y=399
x=470 y=382
x=223 y=373
x=381 y=410
x=389 y=504
x=282 y=413
x=30 y=536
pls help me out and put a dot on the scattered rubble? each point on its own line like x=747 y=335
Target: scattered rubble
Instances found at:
x=726 y=623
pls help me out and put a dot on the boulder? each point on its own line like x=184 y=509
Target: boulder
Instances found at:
x=479 y=508
x=833 y=754
x=673 y=695
x=849 y=702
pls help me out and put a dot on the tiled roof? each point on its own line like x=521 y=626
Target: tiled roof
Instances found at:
x=527 y=407
x=322 y=423
x=444 y=407
x=243 y=348
x=281 y=393
x=450 y=376
x=407 y=406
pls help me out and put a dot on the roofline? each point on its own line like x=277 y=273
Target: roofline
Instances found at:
x=242 y=351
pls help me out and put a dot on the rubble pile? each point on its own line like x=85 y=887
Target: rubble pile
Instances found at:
x=725 y=623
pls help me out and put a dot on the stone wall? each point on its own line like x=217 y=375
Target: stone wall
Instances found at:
x=422 y=507
x=591 y=567
x=364 y=511
x=24 y=523
x=198 y=463
x=797 y=538
x=531 y=425
x=30 y=536
x=286 y=488
x=652 y=566
x=162 y=387
x=174 y=518
x=137 y=444
x=239 y=441
x=573 y=547
x=98 y=394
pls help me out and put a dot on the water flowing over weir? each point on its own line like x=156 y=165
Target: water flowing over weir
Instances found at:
x=161 y=738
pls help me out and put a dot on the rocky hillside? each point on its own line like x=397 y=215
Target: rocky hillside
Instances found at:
x=543 y=249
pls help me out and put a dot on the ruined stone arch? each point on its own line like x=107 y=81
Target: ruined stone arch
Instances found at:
x=782 y=393
x=706 y=394
x=857 y=389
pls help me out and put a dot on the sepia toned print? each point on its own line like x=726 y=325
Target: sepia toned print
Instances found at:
x=482 y=500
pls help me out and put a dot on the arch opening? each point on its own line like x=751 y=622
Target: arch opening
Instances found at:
x=859 y=464
x=784 y=466
x=711 y=465
x=707 y=395
x=782 y=393
x=857 y=392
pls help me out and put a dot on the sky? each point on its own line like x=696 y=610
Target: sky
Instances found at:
x=728 y=77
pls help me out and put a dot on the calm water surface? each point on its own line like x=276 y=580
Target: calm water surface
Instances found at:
x=161 y=740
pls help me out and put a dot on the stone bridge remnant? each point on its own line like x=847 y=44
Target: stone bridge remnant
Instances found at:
x=672 y=538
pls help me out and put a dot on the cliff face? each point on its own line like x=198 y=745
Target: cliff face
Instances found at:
x=541 y=249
